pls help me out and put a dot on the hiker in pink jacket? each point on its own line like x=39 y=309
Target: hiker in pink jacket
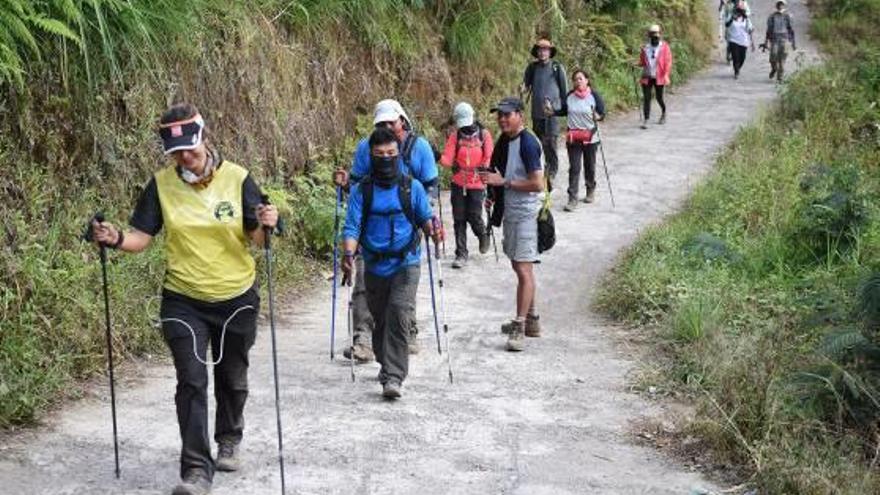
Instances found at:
x=656 y=63
x=468 y=149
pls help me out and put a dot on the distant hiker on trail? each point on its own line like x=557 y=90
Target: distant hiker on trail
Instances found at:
x=726 y=11
x=545 y=80
x=583 y=106
x=517 y=180
x=416 y=159
x=739 y=34
x=211 y=211
x=468 y=149
x=386 y=209
x=780 y=32
x=656 y=63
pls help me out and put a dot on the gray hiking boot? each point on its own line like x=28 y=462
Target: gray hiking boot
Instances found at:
x=227 y=457
x=591 y=196
x=460 y=262
x=391 y=390
x=571 y=205
x=484 y=243
x=195 y=482
x=662 y=119
x=362 y=354
x=533 y=326
x=516 y=337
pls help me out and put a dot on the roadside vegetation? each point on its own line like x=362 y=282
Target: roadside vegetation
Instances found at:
x=286 y=87
x=763 y=294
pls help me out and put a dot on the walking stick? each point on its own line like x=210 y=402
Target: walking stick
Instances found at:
x=433 y=297
x=443 y=313
x=639 y=97
x=335 y=273
x=604 y=163
x=350 y=319
x=440 y=205
x=267 y=248
x=102 y=249
x=491 y=230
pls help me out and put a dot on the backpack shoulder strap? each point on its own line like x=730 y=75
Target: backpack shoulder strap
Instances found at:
x=404 y=191
x=408 y=146
x=366 y=186
x=557 y=72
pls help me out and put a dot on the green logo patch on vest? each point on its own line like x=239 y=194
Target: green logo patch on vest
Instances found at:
x=224 y=212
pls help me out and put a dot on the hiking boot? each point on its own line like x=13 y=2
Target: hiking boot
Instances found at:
x=591 y=196
x=460 y=262
x=362 y=354
x=644 y=125
x=533 y=326
x=485 y=243
x=662 y=119
x=571 y=205
x=391 y=390
x=772 y=73
x=516 y=337
x=195 y=482
x=227 y=457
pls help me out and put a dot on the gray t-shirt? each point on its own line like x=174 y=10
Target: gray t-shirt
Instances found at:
x=523 y=158
x=544 y=82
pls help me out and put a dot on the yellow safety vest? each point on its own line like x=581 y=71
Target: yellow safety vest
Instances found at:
x=205 y=243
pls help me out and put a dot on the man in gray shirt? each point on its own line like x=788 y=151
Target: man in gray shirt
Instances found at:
x=545 y=80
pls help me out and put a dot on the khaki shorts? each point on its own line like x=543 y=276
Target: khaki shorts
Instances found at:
x=520 y=241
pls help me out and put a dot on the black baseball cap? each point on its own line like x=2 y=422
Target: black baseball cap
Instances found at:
x=182 y=135
x=508 y=104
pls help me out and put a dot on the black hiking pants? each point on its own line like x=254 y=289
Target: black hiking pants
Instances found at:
x=467 y=208
x=647 y=90
x=230 y=374
x=581 y=155
x=738 y=52
x=392 y=302
x=547 y=130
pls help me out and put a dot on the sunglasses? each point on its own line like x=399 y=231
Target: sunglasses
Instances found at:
x=388 y=124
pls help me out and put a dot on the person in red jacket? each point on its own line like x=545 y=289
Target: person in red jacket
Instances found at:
x=468 y=148
x=656 y=63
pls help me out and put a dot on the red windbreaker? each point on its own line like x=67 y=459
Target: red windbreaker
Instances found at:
x=471 y=155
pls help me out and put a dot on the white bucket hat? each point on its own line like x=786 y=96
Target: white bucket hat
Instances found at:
x=655 y=28
x=389 y=111
x=463 y=114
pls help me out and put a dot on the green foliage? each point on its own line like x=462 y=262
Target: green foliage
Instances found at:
x=765 y=289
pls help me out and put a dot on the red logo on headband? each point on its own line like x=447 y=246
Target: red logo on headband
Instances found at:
x=176 y=131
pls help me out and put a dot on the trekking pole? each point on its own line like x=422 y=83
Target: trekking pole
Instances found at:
x=267 y=249
x=637 y=88
x=433 y=296
x=102 y=249
x=491 y=231
x=350 y=323
x=443 y=313
x=440 y=205
x=604 y=163
x=335 y=273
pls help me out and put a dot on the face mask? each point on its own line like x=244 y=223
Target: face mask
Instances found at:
x=385 y=169
x=191 y=178
x=655 y=40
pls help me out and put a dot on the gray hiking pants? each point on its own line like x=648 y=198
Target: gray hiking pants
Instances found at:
x=778 y=54
x=362 y=320
x=392 y=302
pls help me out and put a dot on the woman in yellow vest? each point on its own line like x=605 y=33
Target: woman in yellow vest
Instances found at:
x=211 y=211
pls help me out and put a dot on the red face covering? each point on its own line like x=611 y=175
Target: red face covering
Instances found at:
x=582 y=93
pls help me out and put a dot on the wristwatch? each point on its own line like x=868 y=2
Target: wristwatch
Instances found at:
x=506 y=183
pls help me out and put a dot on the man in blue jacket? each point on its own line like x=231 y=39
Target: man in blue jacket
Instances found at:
x=386 y=210
x=416 y=159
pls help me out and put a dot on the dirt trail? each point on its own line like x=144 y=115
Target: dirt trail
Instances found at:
x=551 y=420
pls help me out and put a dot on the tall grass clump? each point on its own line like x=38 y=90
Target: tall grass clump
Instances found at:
x=764 y=290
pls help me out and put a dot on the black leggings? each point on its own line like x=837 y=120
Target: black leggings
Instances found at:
x=738 y=52
x=646 y=93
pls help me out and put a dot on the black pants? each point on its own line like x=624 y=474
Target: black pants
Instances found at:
x=547 y=130
x=646 y=97
x=578 y=154
x=738 y=52
x=230 y=375
x=392 y=302
x=467 y=208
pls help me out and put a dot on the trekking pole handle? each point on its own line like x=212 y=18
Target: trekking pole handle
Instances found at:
x=267 y=243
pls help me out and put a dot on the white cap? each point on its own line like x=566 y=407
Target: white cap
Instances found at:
x=655 y=28
x=463 y=114
x=389 y=111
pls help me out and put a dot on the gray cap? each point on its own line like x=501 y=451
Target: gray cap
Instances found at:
x=508 y=104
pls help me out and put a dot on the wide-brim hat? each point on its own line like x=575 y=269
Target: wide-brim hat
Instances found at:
x=543 y=43
x=182 y=135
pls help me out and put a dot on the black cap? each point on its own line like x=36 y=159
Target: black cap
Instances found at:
x=508 y=104
x=183 y=135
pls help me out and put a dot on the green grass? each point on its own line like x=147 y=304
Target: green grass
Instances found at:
x=763 y=291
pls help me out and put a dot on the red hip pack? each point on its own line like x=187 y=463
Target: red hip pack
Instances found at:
x=579 y=136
